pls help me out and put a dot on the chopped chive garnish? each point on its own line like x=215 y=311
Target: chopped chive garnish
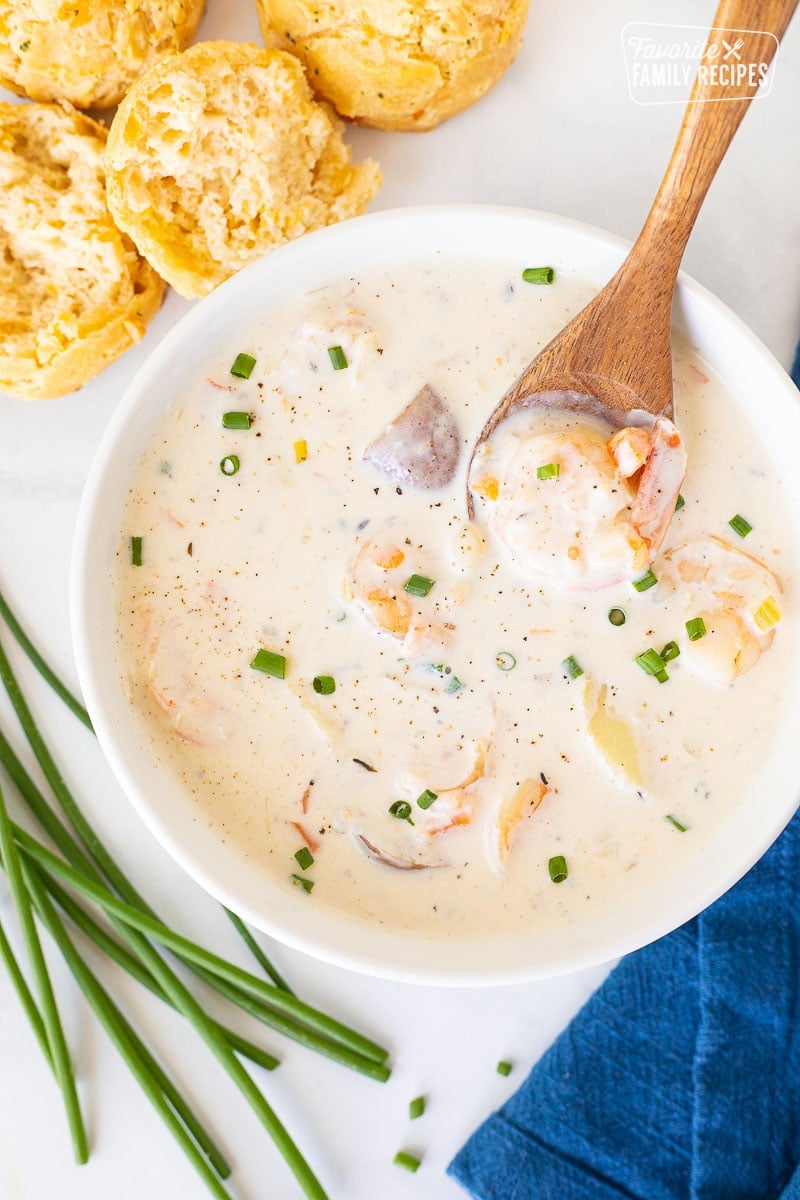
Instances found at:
x=402 y=810
x=617 y=616
x=670 y=651
x=418 y=585
x=504 y=1067
x=572 y=667
x=662 y=675
x=300 y=881
x=338 y=358
x=229 y=465
x=243 y=366
x=557 y=867
x=455 y=685
x=696 y=629
x=678 y=825
x=236 y=420
x=301 y=450
x=407 y=1161
x=539 y=274
x=324 y=685
x=505 y=660
x=548 y=471
x=679 y=503
x=741 y=526
x=416 y=1108
x=305 y=858
x=136 y=551
x=645 y=581
x=426 y=798
x=270 y=663
x=650 y=661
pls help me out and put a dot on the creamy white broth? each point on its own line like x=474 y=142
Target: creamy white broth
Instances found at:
x=272 y=544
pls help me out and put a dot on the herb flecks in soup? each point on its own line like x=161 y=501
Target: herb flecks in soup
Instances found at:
x=410 y=716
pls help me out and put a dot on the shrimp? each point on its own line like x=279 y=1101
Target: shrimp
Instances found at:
x=521 y=804
x=178 y=691
x=582 y=510
x=736 y=595
x=375 y=582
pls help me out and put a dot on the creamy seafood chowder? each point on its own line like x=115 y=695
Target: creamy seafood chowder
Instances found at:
x=452 y=725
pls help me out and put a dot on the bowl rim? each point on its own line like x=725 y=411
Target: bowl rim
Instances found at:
x=369 y=959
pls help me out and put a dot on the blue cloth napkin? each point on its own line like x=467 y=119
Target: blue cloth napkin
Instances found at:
x=680 y=1078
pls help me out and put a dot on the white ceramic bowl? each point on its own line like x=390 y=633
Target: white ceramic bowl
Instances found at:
x=721 y=339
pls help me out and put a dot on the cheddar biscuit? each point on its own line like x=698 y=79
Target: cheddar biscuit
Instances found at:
x=397 y=64
x=88 y=51
x=221 y=153
x=74 y=294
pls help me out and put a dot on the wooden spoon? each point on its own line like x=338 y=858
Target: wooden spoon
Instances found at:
x=615 y=356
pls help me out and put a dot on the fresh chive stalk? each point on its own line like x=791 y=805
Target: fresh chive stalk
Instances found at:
x=696 y=629
x=237 y=420
x=678 y=824
x=59 y=1054
x=402 y=810
x=572 y=667
x=503 y=1067
x=305 y=858
x=426 y=798
x=416 y=1108
x=242 y=366
x=409 y=1162
x=418 y=585
x=338 y=358
x=305 y=885
x=670 y=651
x=41 y=666
x=548 y=471
x=136 y=550
x=557 y=866
x=617 y=616
x=324 y=685
x=269 y=663
x=505 y=660
x=679 y=503
x=740 y=525
x=538 y=274
x=645 y=581
x=229 y=465
x=650 y=661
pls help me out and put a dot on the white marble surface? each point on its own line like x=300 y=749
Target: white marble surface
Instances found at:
x=559 y=133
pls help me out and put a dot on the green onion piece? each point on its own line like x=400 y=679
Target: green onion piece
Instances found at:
x=670 y=651
x=407 y=1161
x=741 y=526
x=696 y=629
x=538 y=274
x=662 y=676
x=645 y=581
x=338 y=358
x=236 y=420
x=300 y=881
x=402 y=810
x=617 y=616
x=416 y=1108
x=426 y=798
x=503 y=1067
x=679 y=503
x=229 y=465
x=305 y=858
x=505 y=660
x=650 y=661
x=455 y=685
x=418 y=585
x=557 y=867
x=324 y=685
x=243 y=366
x=548 y=471
x=572 y=667
x=136 y=551
x=674 y=821
x=270 y=663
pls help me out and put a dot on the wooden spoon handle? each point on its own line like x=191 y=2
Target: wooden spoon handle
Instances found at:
x=741 y=44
